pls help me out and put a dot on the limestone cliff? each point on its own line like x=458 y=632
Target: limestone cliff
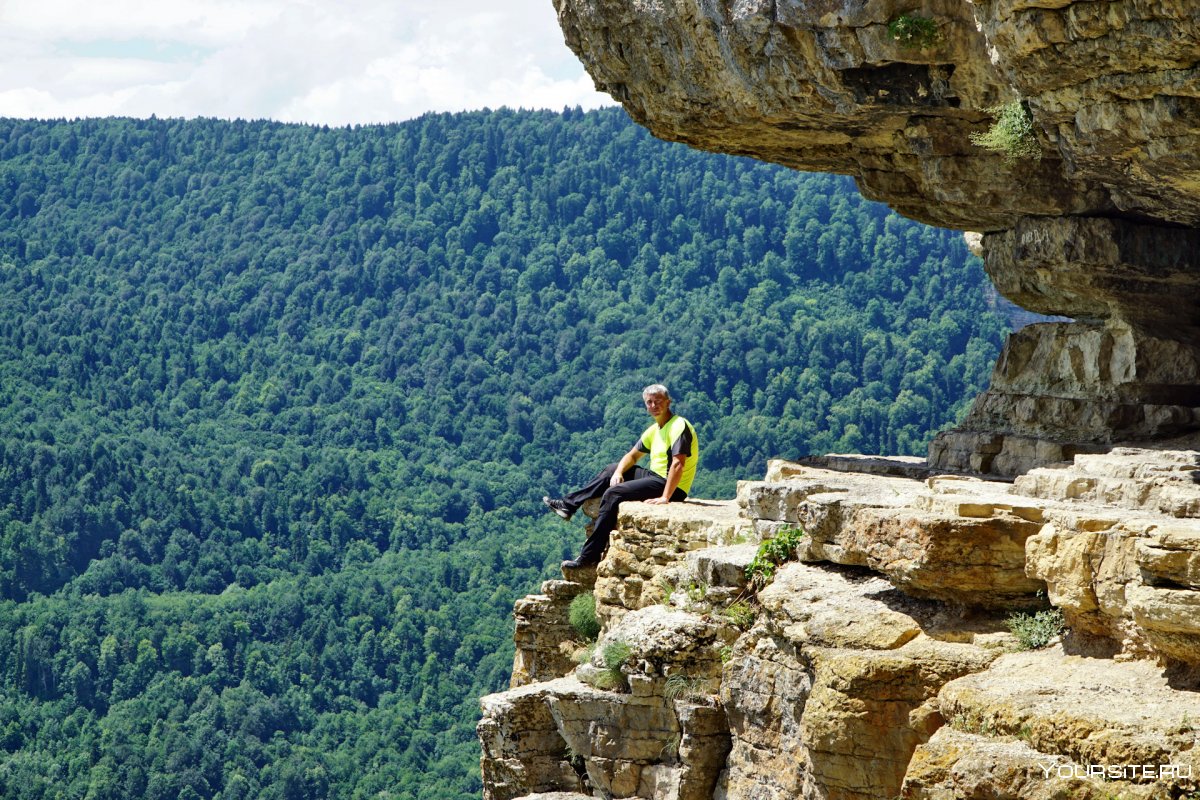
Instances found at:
x=1098 y=221
x=877 y=664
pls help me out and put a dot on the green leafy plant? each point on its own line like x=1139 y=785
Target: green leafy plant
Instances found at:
x=614 y=655
x=1012 y=134
x=670 y=750
x=1036 y=630
x=772 y=553
x=582 y=616
x=913 y=30
x=668 y=590
x=697 y=591
x=726 y=654
x=740 y=614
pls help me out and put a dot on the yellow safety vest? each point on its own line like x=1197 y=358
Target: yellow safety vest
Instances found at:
x=658 y=442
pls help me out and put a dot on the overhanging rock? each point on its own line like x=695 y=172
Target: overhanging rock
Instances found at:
x=1100 y=227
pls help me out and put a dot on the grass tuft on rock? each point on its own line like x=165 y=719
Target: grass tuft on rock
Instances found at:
x=582 y=616
x=915 y=31
x=614 y=655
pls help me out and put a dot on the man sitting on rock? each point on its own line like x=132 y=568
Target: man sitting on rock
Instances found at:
x=674 y=451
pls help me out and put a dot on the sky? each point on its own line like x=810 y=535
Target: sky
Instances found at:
x=334 y=62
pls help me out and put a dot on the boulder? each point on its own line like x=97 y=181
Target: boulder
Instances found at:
x=955 y=540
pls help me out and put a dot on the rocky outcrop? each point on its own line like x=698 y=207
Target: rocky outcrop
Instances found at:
x=1131 y=581
x=545 y=641
x=1060 y=389
x=523 y=751
x=879 y=663
x=829 y=695
x=961 y=541
x=834 y=87
x=1103 y=226
x=1046 y=724
x=646 y=565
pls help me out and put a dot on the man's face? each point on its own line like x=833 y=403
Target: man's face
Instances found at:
x=656 y=404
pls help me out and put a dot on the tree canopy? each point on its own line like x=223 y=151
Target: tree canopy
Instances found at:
x=279 y=403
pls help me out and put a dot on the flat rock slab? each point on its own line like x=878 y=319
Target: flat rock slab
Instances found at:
x=896 y=466
x=1156 y=480
x=945 y=538
x=954 y=764
x=710 y=521
x=1087 y=710
x=811 y=605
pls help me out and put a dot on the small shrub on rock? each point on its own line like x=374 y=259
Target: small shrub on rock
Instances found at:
x=912 y=30
x=582 y=616
x=740 y=614
x=1036 y=630
x=1012 y=133
x=683 y=687
x=614 y=656
x=771 y=553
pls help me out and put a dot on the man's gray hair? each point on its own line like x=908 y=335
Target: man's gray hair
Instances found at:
x=655 y=390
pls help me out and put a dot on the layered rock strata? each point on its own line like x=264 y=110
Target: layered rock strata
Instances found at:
x=836 y=87
x=1060 y=389
x=830 y=694
x=544 y=638
x=1103 y=226
x=1047 y=725
x=879 y=664
x=652 y=549
x=950 y=539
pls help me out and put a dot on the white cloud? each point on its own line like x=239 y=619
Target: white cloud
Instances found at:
x=297 y=60
x=202 y=21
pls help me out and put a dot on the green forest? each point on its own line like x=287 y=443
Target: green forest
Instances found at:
x=279 y=403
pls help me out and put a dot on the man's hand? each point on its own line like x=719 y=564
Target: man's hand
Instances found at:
x=616 y=480
x=674 y=473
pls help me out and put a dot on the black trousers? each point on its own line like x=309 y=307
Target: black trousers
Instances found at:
x=640 y=484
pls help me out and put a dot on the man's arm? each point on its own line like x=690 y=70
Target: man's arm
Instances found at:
x=674 y=473
x=627 y=461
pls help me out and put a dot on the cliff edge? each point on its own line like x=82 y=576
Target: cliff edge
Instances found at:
x=879 y=661
x=930 y=634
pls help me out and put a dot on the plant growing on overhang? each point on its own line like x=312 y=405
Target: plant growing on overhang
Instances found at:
x=914 y=31
x=1012 y=134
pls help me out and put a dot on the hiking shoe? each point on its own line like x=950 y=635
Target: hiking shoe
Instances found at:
x=559 y=507
x=577 y=564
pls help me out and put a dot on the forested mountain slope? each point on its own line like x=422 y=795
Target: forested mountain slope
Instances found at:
x=278 y=403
